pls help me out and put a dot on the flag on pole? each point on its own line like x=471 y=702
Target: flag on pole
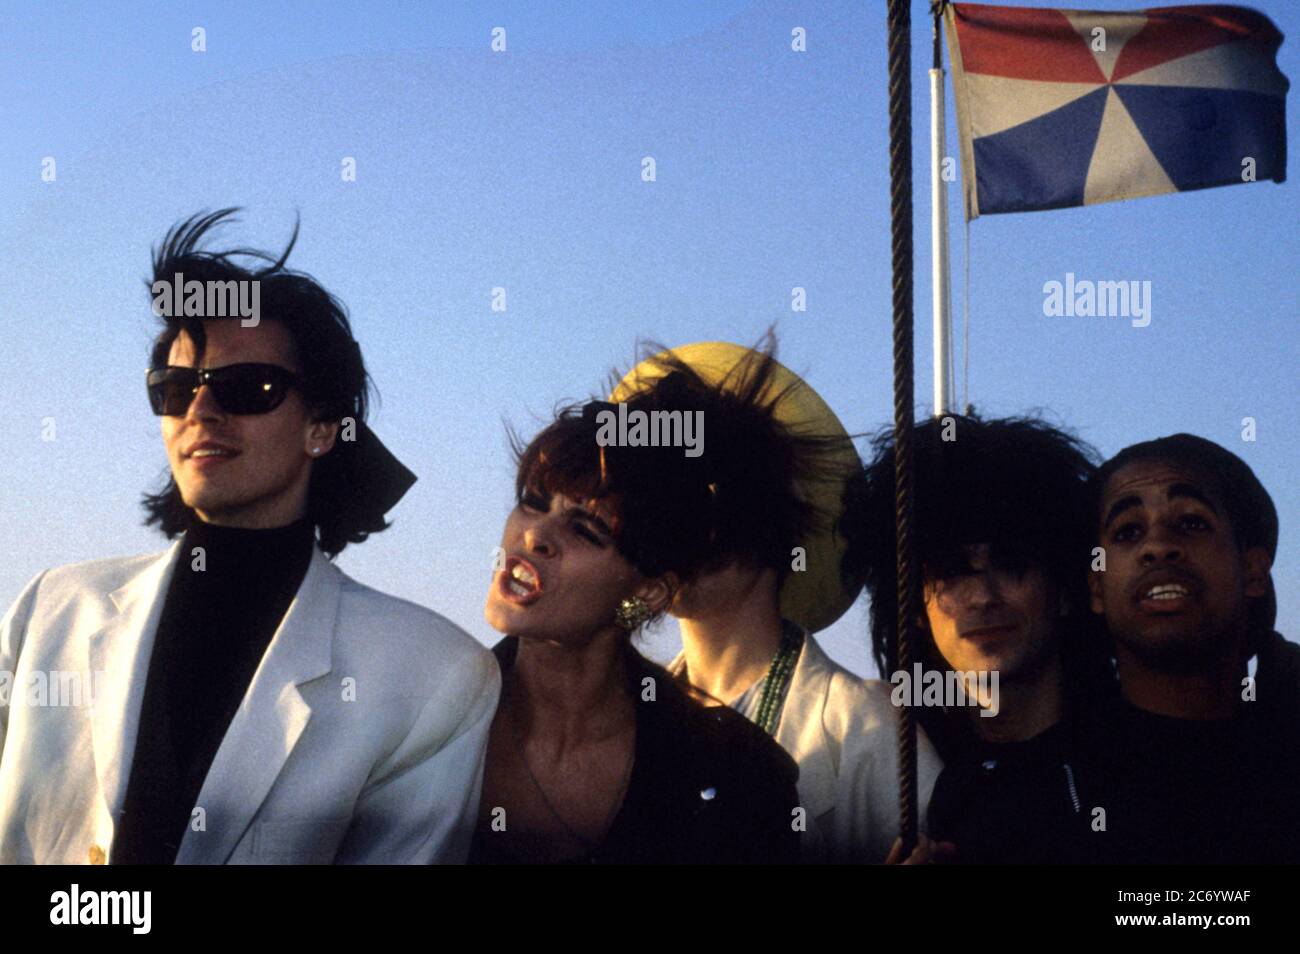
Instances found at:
x=1057 y=108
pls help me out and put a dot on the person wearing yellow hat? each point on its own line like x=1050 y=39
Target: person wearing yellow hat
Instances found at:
x=776 y=461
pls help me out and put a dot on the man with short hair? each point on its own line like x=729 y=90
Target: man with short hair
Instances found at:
x=1203 y=755
x=251 y=702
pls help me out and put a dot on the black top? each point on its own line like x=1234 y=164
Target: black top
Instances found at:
x=217 y=621
x=1149 y=789
x=1277 y=683
x=707 y=785
x=1184 y=791
x=1024 y=802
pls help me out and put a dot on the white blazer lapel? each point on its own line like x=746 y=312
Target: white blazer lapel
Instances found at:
x=269 y=720
x=120 y=651
x=802 y=729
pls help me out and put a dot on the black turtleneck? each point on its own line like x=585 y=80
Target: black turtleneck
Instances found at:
x=216 y=624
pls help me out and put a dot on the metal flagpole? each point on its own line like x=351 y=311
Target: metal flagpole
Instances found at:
x=940 y=284
x=900 y=202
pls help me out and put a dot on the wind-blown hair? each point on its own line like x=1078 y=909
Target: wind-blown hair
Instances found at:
x=1017 y=484
x=335 y=382
x=736 y=502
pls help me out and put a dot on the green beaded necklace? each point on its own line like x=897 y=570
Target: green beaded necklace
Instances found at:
x=777 y=681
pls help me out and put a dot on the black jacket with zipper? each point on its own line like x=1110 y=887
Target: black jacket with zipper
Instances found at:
x=1025 y=802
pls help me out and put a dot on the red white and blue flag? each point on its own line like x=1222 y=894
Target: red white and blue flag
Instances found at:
x=1058 y=108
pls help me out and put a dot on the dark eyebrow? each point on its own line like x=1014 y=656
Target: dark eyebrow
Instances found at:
x=1124 y=503
x=582 y=513
x=1188 y=490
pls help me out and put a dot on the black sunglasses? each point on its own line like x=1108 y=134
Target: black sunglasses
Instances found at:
x=237 y=388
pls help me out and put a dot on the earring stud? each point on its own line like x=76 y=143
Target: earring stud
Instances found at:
x=632 y=612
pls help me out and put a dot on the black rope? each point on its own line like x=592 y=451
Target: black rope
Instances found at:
x=900 y=198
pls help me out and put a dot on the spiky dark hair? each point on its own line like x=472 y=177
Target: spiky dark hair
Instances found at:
x=335 y=381
x=739 y=501
x=1018 y=484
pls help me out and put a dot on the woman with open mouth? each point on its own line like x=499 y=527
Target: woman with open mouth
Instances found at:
x=596 y=755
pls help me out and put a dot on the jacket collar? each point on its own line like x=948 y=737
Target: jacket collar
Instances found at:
x=271 y=719
x=264 y=730
x=802 y=729
x=119 y=656
x=658 y=726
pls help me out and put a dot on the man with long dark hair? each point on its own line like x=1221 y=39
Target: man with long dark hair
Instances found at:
x=1009 y=662
x=251 y=703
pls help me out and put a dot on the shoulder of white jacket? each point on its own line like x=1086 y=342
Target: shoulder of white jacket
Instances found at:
x=861 y=712
x=367 y=611
x=853 y=703
x=867 y=698
x=868 y=719
x=98 y=577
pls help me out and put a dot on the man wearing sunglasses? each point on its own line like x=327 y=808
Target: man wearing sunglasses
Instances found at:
x=251 y=702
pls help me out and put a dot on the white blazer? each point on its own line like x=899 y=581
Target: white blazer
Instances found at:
x=360 y=738
x=842 y=730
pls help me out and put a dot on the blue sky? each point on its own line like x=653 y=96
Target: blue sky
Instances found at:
x=522 y=170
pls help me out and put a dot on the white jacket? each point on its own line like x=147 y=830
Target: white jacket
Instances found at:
x=360 y=738
x=842 y=730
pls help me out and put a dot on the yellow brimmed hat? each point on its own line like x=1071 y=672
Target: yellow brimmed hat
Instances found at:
x=815 y=596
